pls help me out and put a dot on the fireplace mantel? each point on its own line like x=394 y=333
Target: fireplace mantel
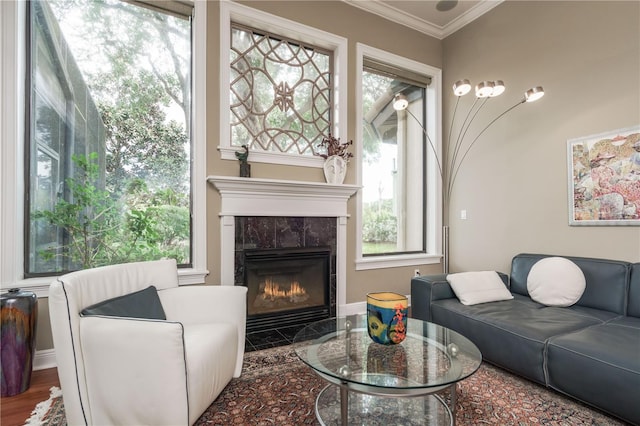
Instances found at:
x=272 y=197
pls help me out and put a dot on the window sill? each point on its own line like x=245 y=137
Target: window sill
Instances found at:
x=380 y=262
x=40 y=285
x=227 y=153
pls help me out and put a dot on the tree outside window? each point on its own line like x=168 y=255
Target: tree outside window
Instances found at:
x=109 y=125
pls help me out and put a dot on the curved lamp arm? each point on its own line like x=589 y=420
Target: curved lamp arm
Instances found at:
x=433 y=148
x=457 y=167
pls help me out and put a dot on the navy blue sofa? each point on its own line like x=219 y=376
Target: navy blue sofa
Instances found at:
x=589 y=351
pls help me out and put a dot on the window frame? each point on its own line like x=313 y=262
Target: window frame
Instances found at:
x=433 y=189
x=230 y=11
x=12 y=128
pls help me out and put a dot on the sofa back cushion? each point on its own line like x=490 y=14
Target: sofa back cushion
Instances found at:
x=634 y=291
x=607 y=281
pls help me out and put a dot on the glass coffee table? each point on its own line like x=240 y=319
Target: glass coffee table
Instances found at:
x=370 y=383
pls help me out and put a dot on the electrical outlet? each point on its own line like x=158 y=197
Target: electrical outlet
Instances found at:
x=416 y=272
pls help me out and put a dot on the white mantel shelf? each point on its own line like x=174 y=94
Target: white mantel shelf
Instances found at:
x=272 y=197
x=285 y=198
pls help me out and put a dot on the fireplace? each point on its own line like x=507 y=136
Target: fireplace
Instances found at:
x=286 y=286
x=270 y=213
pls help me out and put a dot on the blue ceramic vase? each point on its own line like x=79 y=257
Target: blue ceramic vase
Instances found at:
x=387 y=317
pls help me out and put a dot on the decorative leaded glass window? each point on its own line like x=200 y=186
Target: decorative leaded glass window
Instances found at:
x=281 y=92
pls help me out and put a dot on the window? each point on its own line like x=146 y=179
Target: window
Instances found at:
x=280 y=93
x=108 y=159
x=393 y=159
x=65 y=148
x=397 y=203
x=286 y=84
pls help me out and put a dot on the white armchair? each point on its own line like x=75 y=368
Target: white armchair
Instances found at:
x=133 y=371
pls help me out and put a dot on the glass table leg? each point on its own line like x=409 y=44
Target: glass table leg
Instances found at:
x=344 y=405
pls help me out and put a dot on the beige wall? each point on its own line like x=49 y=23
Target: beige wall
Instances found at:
x=355 y=25
x=513 y=184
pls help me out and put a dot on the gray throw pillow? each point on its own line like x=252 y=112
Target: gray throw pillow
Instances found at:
x=140 y=304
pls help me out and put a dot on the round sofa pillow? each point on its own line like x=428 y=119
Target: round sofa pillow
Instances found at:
x=555 y=281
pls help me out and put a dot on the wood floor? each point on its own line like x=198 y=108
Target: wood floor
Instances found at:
x=16 y=409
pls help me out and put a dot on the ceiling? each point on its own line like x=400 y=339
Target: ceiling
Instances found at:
x=437 y=18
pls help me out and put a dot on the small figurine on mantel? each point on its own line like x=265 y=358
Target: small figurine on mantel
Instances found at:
x=245 y=168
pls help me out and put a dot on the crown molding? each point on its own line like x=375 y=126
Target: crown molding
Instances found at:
x=401 y=17
x=470 y=16
x=398 y=16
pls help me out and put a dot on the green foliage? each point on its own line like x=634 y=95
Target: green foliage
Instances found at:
x=136 y=205
x=140 y=142
x=136 y=63
x=86 y=219
x=142 y=225
x=172 y=227
x=102 y=228
x=379 y=248
x=379 y=223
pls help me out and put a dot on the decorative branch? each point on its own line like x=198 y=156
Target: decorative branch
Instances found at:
x=333 y=146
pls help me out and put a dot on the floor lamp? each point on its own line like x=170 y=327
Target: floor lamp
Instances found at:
x=458 y=148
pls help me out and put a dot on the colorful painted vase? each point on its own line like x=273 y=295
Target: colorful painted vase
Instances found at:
x=19 y=312
x=387 y=317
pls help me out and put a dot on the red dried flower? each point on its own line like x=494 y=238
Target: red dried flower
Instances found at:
x=333 y=146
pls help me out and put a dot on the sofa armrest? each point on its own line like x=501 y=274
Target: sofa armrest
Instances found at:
x=209 y=304
x=205 y=304
x=429 y=288
x=426 y=289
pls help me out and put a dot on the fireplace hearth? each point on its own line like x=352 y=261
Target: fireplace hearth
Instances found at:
x=286 y=287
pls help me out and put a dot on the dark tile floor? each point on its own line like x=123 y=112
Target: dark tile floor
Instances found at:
x=258 y=340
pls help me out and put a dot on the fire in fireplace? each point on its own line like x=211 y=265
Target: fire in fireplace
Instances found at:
x=274 y=296
x=286 y=286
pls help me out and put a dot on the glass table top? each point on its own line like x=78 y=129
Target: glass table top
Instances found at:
x=430 y=358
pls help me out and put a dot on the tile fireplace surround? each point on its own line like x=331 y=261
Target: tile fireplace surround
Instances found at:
x=270 y=198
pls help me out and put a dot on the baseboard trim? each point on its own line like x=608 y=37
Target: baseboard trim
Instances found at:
x=353 y=308
x=45 y=358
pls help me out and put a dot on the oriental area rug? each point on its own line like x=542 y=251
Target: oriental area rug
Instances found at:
x=276 y=388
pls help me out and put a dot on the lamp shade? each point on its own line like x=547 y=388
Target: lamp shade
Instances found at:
x=461 y=87
x=484 y=89
x=400 y=102
x=534 y=94
x=498 y=88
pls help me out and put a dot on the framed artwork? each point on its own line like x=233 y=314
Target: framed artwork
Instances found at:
x=604 y=178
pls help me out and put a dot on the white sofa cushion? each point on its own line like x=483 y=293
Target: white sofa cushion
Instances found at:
x=476 y=287
x=555 y=281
